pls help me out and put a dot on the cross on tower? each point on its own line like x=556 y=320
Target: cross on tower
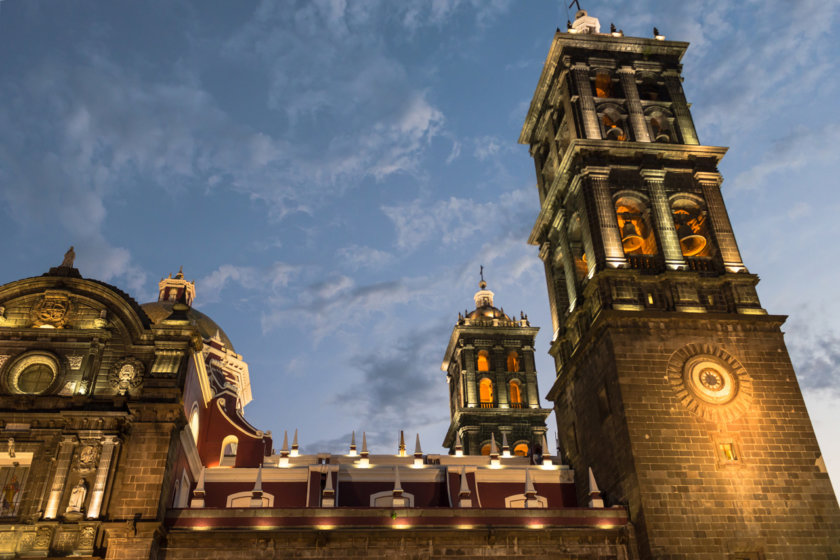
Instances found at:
x=575 y=3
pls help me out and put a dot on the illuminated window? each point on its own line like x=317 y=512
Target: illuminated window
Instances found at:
x=485 y=393
x=515 y=394
x=513 y=361
x=483 y=363
x=520 y=450
x=727 y=452
x=229 y=447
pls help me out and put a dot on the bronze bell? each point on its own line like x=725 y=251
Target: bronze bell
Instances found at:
x=630 y=238
x=690 y=242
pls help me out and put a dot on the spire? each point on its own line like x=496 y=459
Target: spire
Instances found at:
x=505 y=446
x=530 y=491
x=364 y=461
x=283 y=461
x=398 y=500
x=401 y=452
x=494 y=452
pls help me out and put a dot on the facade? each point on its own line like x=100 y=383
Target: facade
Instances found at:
x=673 y=383
x=125 y=436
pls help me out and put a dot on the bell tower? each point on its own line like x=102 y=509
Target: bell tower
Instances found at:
x=673 y=383
x=493 y=393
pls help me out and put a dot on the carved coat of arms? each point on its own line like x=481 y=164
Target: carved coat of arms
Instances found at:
x=53 y=310
x=126 y=374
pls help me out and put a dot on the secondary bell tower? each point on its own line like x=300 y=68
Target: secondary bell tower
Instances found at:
x=673 y=383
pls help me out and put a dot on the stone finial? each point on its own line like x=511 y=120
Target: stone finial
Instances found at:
x=417 y=449
x=505 y=446
x=595 y=500
x=257 y=491
x=401 y=451
x=328 y=494
x=464 y=494
x=353 y=444
x=284 y=451
x=530 y=491
x=364 y=445
x=198 y=494
x=295 y=448
x=459 y=446
x=494 y=449
x=398 y=500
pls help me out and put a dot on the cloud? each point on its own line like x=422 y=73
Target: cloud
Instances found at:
x=357 y=257
x=255 y=279
x=455 y=219
x=816 y=356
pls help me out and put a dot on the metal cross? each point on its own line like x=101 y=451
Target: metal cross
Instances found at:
x=482 y=273
x=575 y=3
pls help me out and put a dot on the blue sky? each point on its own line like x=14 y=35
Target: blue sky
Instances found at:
x=332 y=173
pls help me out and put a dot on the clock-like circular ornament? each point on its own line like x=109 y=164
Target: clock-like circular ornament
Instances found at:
x=710 y=382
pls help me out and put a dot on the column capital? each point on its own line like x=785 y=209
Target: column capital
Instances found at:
x=110 y=440
x=580 y=66
x=69 y=439
x=650 y=174
x=708 y=177
x=596 y=172
x=545 y=249
x=626 y=70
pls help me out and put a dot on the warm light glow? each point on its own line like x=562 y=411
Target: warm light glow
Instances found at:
x=283 y=462
x=483 y=362
x=464 y=526
x=605 y=526
x=47 y=327
x=353 y=453
x=401 y=526
x=325 y=527
x=485 y=391
x=364 y=463
x=418 y=463
x=536 y=526
x=495 y=464
x=459 y=452
x=294 y=453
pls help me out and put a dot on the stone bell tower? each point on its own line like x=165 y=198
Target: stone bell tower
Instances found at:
x=489 y=365
x=673 y=384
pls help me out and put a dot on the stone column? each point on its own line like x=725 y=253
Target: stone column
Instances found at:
x=588 y=115
x=710 y=182
x=671 y=250
x=547 y=257
x=108 y=445
x=469 y=359
x=600 y=202
x=62 y=466
x=680 y=107
x=627 y=75
x=499 y=378
x=569 y=269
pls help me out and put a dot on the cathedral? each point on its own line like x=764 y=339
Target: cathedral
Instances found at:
x=682 y=427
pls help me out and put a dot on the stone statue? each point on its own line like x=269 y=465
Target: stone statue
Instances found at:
x=77 y=497
x=69 y=257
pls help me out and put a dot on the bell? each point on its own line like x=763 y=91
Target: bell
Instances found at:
x=630 y=237
x=662 y=138
x=690 y=242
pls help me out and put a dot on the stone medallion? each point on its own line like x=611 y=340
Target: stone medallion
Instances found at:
x=710 y=382
x=126 y=374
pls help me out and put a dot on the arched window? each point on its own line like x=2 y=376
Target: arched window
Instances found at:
x=633 y=223
x=485 y=393
x=513 y=361
x=483 y=362
x=520 y=450
x=194 y=422
x=515 y=394
x=603 y=84
x=485 y=449
x=614 y=124
x=229 y=446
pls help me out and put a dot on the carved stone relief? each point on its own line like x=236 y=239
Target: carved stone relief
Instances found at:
x=75 y=362
x=53 y=310
x=88 y=457
x=126 y=374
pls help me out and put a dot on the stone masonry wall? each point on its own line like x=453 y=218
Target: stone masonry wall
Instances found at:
x=686 y=501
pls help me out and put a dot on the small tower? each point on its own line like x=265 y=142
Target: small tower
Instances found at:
x=176 y=289
x=489 y=365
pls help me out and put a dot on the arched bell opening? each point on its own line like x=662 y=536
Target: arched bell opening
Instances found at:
x=690 y=221
x=513 y=361
x=614 y=124
x=485 y=393
x=483 y=361
x=651 y=89
x=633 y=216
x=515 y=391
x=661 y=125
x=576 y=246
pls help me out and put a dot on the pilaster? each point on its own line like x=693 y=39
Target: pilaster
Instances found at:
x=598 y=192
x=62 y=466
x=102 y=471
x=710 y=182
x=588 y=115
x=627 y=75
x=680 y=107
x=655 y=181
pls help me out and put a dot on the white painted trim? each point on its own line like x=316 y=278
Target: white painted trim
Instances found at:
x=517 y=501
x=266 y=497
x=191 y=452
x=390 y=495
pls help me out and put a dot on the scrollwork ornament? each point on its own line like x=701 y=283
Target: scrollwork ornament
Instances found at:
x=126 y=374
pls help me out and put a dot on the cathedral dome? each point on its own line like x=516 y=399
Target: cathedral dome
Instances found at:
x=207 y=327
